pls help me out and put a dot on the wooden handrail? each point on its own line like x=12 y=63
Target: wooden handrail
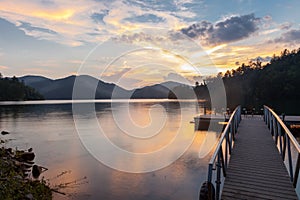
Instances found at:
x=276 y=125
x=217 y=160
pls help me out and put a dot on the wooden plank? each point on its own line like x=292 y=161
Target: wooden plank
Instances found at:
x=261 y=190
x=256 y=170
x=274 y=185
x=234 y=194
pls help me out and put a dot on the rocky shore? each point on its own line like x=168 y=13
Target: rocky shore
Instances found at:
x=19 y=175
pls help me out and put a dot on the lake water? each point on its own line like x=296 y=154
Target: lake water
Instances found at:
x=72 y=145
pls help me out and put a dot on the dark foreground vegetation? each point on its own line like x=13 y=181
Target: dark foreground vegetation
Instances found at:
x=17 y=176
x=14 y=90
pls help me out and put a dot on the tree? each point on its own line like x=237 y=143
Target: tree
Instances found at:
x=14 y=90
x=276 y=84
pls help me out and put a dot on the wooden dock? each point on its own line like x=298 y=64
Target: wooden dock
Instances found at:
x=256 y=169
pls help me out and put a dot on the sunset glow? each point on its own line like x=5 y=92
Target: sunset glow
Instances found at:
x=46 y=37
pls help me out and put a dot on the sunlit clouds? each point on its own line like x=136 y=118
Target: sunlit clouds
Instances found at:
x=190 y=38
x=154 y=64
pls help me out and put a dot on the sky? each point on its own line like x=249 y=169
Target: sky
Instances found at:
x=140 y=42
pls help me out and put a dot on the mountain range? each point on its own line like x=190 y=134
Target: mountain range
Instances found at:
x=62 y=89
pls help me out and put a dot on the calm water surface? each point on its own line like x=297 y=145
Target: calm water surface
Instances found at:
x=50 y=130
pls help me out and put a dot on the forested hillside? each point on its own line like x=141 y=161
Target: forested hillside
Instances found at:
x=11 y=89
x=252 y=85
x=276 y=84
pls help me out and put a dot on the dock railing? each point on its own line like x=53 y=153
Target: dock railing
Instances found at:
x=220 y=157
x=285 y=138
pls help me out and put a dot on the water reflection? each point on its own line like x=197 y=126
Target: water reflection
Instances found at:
x=50 y=130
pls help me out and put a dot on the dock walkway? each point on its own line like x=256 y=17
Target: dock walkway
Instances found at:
x=256 y=169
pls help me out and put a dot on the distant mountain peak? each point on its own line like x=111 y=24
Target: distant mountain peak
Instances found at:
x=62 y=88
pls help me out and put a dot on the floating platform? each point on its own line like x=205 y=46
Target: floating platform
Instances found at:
x=211 y=122
x=289 y=120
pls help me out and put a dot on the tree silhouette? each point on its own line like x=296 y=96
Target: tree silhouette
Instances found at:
x=252 y=85
x=14 y=90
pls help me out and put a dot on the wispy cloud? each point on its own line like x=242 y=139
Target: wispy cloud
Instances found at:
x=261 y=59
x=75 y=23
x=285 y=26
x=99 y=16
x=145 y=18
x=3 y=67
x=291 y=37
x=69 y=20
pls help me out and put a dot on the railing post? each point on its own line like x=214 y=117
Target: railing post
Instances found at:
x=218 y=180
x=223 y=163
x=232 y=128
x=240 y=115
x=233 y=124
x=297 y=171
x=230 y=141
x=275 y=130
x=270 y=122
x=290 y=159
x=226 y=149
x=236 y=119
x=284 y=146
x=231 y=132
x=267 y=116
x=280 y=137
x=272 y=125
x=209 y=175
x=269 y=119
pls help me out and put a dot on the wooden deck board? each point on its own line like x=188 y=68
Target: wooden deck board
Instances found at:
x=256 y=170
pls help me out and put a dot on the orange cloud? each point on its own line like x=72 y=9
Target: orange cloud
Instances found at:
x=3 y=67
x=54 y=15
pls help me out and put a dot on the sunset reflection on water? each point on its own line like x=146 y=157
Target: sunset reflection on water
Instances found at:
x=50 y=130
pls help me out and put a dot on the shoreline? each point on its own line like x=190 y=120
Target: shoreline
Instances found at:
x=19 y=175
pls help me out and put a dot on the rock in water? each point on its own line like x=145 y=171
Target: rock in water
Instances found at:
x=27 y=156
x=37 y=170
x=4 y=132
